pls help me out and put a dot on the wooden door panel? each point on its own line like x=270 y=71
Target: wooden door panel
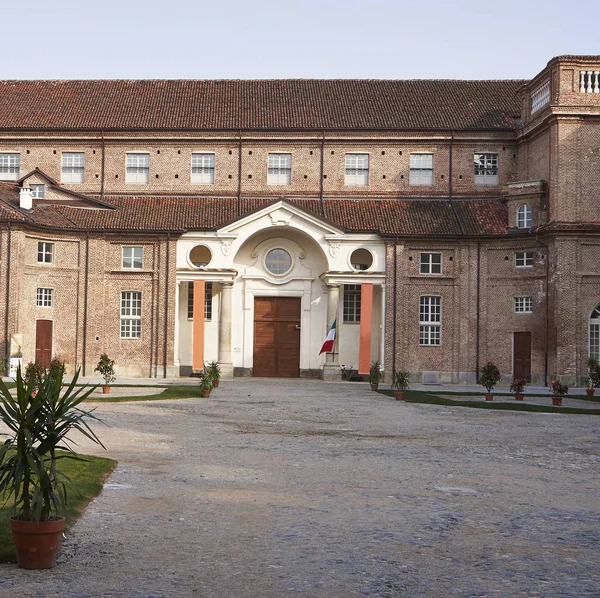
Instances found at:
x=288 y=345
x=43 y=342
x=264 y=349
x=522 y=355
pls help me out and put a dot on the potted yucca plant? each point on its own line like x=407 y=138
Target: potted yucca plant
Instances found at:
x=400 y=383
x=375 y=374
x=213 y=371
x=489 y=377
x=206 y=385
x=29 y=474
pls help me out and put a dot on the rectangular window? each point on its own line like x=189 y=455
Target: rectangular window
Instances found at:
x=10 y=165
x=72 y=167
x=133 y=257
x=486 y=169
x=203 y=169
x=45 y=253
x=357 y=169
x=430 y=320
x=421 y=169
x=44 y=297
x=523 y=305
x=279 y=169
x=38 y=191
x=431 y=263
x=208 y=295
x=138 y=169
x=523 y=259
x=131 y=314
x=351 y=303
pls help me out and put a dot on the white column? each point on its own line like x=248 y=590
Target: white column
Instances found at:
x=331 y=369
x=225 y=329
x=176 y=361
x=382 y=336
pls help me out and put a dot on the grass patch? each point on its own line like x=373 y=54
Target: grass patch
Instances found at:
x=88 y=477
x=172 y=392
x=418 y=396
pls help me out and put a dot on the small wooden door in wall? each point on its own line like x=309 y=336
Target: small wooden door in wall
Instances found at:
x=43 y=342
x=522 y=355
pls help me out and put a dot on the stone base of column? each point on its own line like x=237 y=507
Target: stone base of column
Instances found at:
x=226 y=369
x=331 y=372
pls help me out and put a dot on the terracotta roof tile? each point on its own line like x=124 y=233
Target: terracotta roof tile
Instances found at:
x=259 y=105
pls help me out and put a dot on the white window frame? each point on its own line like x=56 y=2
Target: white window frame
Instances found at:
x=430 y=320
x=523 y=259
x=279 y=169
x=594 y=334
x=38 y=190
x=203 y=168
x=430 y=265
x=208 y=297
x=45 y=251
x=485 y=168
x=524 y=216
x=44 y=297
x=137 y=168
x=10 y=166
x=421 y=169
x=357 y=169
x=129 y=257
x=131 y=314
x=351 y=303
x=523 y=305
x=72 y=170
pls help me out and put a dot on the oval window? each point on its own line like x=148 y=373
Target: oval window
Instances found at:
x=361 y=259
x=278 y=261
x=200 y=256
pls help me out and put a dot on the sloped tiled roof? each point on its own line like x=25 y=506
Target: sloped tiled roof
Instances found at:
x=402 y=217
x=259 y=104
x=9 y=199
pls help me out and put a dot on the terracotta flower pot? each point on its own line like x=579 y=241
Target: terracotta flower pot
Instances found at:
x=399 y=394
x=557 y=401
x=37 y=544
x=589 y=392
x=518 y=396
x=489 y=396
x=206 y=394
x=374 y=386
x=215 y=383
x=105 y=390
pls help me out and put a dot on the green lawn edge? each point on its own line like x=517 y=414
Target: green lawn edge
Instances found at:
x=418 y=396
x=88 y=475
x=172 y=392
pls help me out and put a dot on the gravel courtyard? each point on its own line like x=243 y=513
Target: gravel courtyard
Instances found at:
x=280 y=488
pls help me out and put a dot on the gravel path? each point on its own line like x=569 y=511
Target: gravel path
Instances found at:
x=278 y=488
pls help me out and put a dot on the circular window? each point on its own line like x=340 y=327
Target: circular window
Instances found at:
x=200 y=256
x=361 y=259
x=278 y=261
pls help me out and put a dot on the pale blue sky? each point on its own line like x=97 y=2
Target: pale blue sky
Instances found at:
x=259 y=39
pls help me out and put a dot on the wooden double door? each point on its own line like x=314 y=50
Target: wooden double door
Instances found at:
x=43 y=342
x=522 y=355
x=276 y=337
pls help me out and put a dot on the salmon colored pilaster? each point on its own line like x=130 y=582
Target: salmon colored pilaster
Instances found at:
x=198 y=347
x=366 y=325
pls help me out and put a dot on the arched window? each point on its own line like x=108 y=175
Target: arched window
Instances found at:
x=524 y=216
x=595 y=333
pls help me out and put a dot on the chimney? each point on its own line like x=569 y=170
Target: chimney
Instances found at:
x=26 y=198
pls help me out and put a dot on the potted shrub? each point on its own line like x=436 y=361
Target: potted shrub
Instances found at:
x=213 y=371
x=593 y=379
x=517 y=386
x=488 y=378
x=400 y=383
x=39 y=428
x=206 y=386
x=106 y=367
x=57 y=367
x=34 y=373
x=375 y=374
x=558 y=391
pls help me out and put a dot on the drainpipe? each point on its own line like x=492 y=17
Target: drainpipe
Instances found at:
x=85 y=298
x=6 y=303
x=324 y=212
x=547 y=307
x=394 y=305
x=166 y=306
x=239 y=194
x=102 y=167
x=450 y=164
x=478 y=308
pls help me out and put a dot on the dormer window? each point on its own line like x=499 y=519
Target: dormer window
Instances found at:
x=38 y=191
x=524 y=216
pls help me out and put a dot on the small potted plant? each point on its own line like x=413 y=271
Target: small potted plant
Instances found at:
x=213 y=371
x=34 y=373
x=206 y=385
x=106 y=367
x=558 y=392
x=375 y=374
x=488 y=378
x=593 y=379
x=39 y=428
x=57 y=367
x=400 y=383
x=517 y=386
